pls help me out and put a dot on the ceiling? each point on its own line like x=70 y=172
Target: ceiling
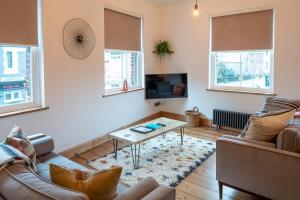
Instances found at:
x=164 y=1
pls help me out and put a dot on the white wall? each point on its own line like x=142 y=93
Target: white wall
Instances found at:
x=74 y=88
x=189 y=36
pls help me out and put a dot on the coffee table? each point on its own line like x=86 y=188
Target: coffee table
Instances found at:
x=135 y=139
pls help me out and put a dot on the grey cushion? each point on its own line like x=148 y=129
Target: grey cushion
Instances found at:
x=276 y=103
x=17 y=182
x=42 y=143
x=296 y=121
x=53 y=158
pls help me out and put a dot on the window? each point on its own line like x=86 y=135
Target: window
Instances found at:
x=123 y=54
x=9 y=59
x=8 y=97
x=120 y=66
x=20 y=89
x=244 y=70
x=20 y=56
x=11 y=97
x=241 y=57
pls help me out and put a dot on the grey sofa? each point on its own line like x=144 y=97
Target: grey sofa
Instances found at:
x=265 y=169
x=18 y=182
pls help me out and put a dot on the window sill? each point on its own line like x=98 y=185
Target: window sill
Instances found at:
x=25 y=111
x=122 y=92
x=243 y=92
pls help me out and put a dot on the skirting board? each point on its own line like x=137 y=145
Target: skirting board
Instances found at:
x=100 y=140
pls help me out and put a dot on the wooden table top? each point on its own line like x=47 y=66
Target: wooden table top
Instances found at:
x=134 y=137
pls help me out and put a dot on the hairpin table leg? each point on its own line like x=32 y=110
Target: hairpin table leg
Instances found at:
x=115 y=143
x=181 y=134
x=135 y=153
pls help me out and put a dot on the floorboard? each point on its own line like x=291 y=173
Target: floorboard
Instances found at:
x=200 y=185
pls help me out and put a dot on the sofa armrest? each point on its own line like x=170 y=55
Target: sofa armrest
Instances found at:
x=42 y=143
x=138 y=191
x=242 y=139
x=289 y=140
x=262 y=170
x=163 y=192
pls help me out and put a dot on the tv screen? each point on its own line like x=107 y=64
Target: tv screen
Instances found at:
x=160 y=86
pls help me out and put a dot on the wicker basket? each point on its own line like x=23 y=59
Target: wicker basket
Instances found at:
x=193 y=117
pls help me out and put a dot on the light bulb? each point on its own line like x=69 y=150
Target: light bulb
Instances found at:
x=196 y=12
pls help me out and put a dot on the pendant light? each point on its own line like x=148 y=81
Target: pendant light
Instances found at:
x=196 y=12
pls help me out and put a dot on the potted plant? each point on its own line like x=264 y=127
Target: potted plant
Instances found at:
x=162 y=49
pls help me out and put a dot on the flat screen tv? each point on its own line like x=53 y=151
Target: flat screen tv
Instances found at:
x=161 y=86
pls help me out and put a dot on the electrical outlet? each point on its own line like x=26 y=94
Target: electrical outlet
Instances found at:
x=156 y=104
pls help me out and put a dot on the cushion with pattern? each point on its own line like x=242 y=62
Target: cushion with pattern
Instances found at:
x=20 y=141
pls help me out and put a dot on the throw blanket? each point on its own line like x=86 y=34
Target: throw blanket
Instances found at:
x=9 y=155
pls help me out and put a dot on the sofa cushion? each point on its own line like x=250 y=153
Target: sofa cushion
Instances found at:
x=140 y=190
x=17 y=182
x=266 y=127
x=44 y=161
x=289 y=139
x=42 y=143
x=20 y=141
x=276 y=104
x=44 y=171
x=98 y=185
x=162 y=192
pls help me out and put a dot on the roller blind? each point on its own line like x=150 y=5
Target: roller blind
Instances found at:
x=247 y=31
x=19 y=22
x=122 y=31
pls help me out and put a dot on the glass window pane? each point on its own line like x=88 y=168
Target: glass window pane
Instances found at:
x=228 y=69
x=8 y=96
x=113 y=70
x=120 y=66
x=16 y=95
x=15 y=75
x=131 y=69
x=256 y=70
x=250 y=69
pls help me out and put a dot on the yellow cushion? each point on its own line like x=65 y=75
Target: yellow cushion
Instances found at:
x=267 y=127
x=97 y=185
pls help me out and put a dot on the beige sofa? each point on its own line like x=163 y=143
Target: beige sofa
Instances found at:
x=17 y=182
x=265 y=169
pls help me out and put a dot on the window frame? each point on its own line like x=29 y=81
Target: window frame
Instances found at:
x=142 y=54
x=36 y=84
x=140 y=69
x=212 y=74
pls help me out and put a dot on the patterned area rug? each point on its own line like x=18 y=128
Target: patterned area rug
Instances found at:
x=164 y=159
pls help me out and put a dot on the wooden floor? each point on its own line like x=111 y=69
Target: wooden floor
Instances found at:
x=200 y=185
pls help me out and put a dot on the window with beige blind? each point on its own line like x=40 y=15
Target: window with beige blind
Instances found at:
x=20 y=69
x=123 y=55
x=242 y=48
